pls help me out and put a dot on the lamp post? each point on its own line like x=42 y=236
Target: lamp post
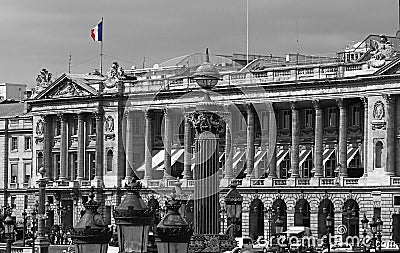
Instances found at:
x=133 y=219
x=222 y=210
x=41 y=240
x=233 y=203
x=173 y=232
x=373 y=225
x=329 y=225
x=33 y=215
x=24 y=214
x=364 y=223
x=9 y=231
x=269 y=212
x=91 y=234
x=279 y=230
x=379 y=224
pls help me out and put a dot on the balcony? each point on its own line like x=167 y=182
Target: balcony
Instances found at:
x=350 y=181
x=395 y=181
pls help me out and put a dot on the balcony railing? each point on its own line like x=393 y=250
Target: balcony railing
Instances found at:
x=256 y=182
x=85 y=183
x=153 y=183
x=236 y=181
x=302 y=181
x=395 y=181
x=279 y=182
x=327 y=181
x=350 y=181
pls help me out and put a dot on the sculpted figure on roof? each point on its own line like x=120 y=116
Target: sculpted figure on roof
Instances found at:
x=381 y=50
x=42 y=81
x=114 y=75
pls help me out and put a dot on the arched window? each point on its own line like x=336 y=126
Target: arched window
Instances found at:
x=278 y=209
x=109 y=160
x=350 y=218
x=378 y=154
x=325 y=207
x=256 y=219
x=302 y=213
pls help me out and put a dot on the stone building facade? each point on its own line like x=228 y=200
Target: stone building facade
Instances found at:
x=303 y=137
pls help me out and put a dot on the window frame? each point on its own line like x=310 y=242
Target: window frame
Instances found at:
x=30 y=143
x=14 y=144
x=13 y=178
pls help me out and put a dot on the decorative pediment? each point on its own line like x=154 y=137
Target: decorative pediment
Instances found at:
x=69 y=85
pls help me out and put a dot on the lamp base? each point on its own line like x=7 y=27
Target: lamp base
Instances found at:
x=42 y=245
x=211 y=243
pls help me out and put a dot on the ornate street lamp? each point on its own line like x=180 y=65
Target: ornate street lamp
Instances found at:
x=9 y=231
x=269 y=211
x=206 y=75
x=329 y=225
x=33 y=216
x=364 y=222
x=24 y=214
x=133 y=219
x=173 y=232
x=379 y=225
x=279 y=224
x=91 y=234
x=233 y=203
x=373 y=225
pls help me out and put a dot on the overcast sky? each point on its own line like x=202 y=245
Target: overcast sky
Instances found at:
x=36 y=34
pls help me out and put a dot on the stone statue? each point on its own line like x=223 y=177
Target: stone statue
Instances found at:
x=381 y=50
x=43 y=80
x=115 y=74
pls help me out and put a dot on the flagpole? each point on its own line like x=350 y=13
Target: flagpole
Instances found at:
x=101 y=47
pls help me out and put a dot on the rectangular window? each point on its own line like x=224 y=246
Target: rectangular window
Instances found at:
x=308 y=118
x=25 y=201
x=14 y=143
x=264 y=120
x=332 y=117
x=92 y=165
x=27 y=172
x=286 y=119
x=57 y=128
x=13 y=198
x=74 y=126
x=355 y=116
x=93 y=125
x=28 y=143
x=14 y=173
x=57 y=164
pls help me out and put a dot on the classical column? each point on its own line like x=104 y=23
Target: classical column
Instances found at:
x=129 y=146
x=187 y=159
x=295 y=140
x=47 y=130
x=99 y=114
x=272 y=144
x=365 y=142
x=390 y=134
x=318 y=145
x=250 y=149
x=272 y=164
x=81 y=146
x=206 y=189
x=342 y=136
x=228 y=150
x=148 y=147
x=63 y=148
x=167 y=143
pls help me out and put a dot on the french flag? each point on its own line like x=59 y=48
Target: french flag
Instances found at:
x=97 y=32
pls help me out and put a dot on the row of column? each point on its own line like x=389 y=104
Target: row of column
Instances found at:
x=250 y=149
x=47 y=149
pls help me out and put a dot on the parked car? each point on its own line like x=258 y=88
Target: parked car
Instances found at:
x=336 y=248
x=264 y=245
x=242 y=244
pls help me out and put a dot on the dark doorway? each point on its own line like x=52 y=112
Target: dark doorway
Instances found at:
x=278 y=209
x=302 y=213
x=67 y=218
x=350 y=218
x=396 y=227
x=325 y=207
x=256 y=219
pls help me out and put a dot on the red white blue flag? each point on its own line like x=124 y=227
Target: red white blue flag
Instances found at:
x=97 y=32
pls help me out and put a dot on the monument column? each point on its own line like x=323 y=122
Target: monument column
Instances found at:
x=167 y=143
x=365 y=142
x=81 y=146
x=148 y=146
x=187 y=159
x=342 y=137
x=250 y=149
x=318 y=145
x=63 y=148
x=129 y=146
x=390 y=134
x=99 y=114
x=295 y=140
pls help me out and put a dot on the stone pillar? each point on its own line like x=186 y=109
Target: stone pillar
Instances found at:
x=228 y=150
x=187 y=159
x=63 y=148
x=167 y=143
x=390 y=134
x=272 y=164
x=81 y=146
x=99 y=114
x=272 y=144
x=365 y=142
x=47 y=146
x=342 y=136
x=129 y=146
x=206 y=189
x=318 y=145
x=250 y=149
x=148 y=147
x=295 y=140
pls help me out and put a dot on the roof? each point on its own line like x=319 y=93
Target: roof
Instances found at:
x=11 y=110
